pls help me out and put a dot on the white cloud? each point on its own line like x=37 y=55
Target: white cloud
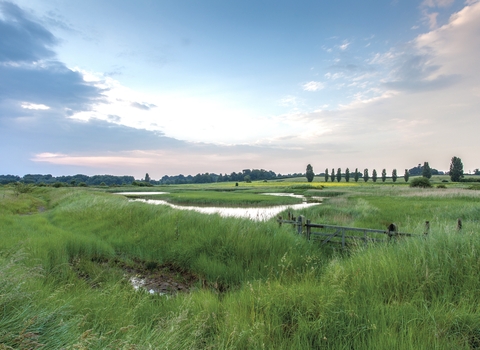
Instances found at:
x=334 y=76
x=432 y=19
x=313 y=86
x=437 y=3
x=289 y=101
x=344 y=46
x=28 y=105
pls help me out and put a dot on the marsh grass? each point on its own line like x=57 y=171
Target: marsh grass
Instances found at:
x=260 y=286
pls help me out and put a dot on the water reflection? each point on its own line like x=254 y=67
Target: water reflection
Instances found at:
x=253 y=213
x=139 y=193
x=257 y=214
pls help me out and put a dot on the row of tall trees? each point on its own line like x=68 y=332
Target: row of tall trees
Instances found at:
x=456 y=173
x=357 y=175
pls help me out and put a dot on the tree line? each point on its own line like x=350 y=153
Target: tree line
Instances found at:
x=455 y=172
x=73 y=180
x=247 y=175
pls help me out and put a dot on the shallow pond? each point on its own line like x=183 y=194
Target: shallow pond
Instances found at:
x=253 y=213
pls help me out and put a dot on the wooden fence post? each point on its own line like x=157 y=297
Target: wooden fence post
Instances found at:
x=392 y=230
x=300 y=221
x=309 y=229
x=427 y=228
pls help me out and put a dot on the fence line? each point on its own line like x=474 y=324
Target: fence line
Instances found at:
x=338 y=234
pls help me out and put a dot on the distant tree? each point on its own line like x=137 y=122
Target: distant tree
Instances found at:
x=347 y=175
x=247 y=179
x=426 y=171
x=394 y=175
x=309 y=174
x=365 y=175
x=332 y=175
x=416 y=171
x=326 y=175
x=384 y=175
x=356 y=175
x=339 y=175
x=147 y=177
x=456 y=169
x=374 y=175
x=406 y=175
x=476 y=172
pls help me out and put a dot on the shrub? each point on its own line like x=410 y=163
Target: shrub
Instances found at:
x=441 y=186
x=20 y=187
x=141 y=184
x=422 y=182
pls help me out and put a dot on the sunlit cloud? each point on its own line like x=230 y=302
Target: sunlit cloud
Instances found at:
x=313 y=86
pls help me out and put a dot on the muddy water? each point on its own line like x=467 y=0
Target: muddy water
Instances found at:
x=253 y=213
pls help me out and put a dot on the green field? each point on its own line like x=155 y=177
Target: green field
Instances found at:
x=67 y=255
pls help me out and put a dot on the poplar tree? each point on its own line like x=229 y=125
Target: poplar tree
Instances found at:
x=357 y=175
x=339 y=174
x=426 y=171
x=374 y=175
x=384 y=175
x=394 y=175
x=365 y=175
x=326 y=175
x=347 y=175
x=332 y=175
x=456 y=169
x=406 y=175
x=309 y=174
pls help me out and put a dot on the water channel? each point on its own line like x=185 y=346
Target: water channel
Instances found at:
x=252 y=213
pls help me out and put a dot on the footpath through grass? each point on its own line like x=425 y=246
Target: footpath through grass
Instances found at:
x=63 y=254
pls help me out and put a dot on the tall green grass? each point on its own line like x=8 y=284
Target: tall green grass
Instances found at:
x=260 y=285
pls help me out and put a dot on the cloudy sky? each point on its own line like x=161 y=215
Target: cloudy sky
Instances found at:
x=192 y=86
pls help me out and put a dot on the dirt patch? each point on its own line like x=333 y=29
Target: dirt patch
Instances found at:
x=165 y=279
x=160 y=279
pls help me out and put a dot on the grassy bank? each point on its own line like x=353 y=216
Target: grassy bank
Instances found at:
x=65 y=257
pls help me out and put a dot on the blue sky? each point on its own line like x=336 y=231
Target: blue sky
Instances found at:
x=170 y=87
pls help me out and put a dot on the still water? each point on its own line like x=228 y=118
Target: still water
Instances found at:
x=253 y=213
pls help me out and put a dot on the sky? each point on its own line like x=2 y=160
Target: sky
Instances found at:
x=170 y=87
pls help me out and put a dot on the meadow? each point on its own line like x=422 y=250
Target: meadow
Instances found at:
x=67 y=256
